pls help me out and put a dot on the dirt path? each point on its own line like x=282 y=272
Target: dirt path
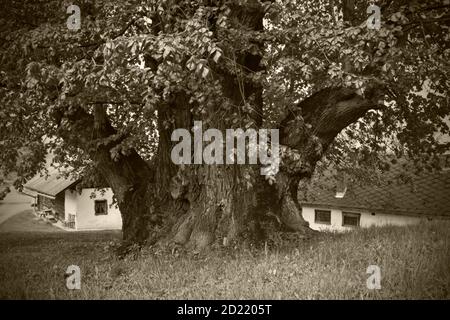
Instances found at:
x=26 y=221
x=14 y=203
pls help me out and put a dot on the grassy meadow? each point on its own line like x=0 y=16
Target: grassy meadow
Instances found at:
x=414 y=263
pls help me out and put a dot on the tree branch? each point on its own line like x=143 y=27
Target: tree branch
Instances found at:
x=306 y=132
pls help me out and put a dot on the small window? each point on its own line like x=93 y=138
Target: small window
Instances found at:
x=350 y=219
x=322 y=216
x=101 y=207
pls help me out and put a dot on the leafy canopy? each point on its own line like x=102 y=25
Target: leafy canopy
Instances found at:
x=133 y=56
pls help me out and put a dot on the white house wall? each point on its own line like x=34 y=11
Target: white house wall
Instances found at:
x=85 y=210
x=366 y=219
x=70 y=203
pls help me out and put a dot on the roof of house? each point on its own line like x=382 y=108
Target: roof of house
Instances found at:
x=50 y=184
x=424 y=194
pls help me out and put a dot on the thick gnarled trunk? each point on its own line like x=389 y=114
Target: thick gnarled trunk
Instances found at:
x=204 y=204
x=197 y=205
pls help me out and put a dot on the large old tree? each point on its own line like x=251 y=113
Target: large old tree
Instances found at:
x=106 y=98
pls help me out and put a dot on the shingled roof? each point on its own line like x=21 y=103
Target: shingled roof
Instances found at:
x=50 y=184
x=425 y=194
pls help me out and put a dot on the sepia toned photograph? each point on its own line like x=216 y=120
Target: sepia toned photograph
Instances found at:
x=246 y=151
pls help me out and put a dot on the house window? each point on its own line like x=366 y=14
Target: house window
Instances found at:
x=322 y=216
x=101 y=207
x=350 y=219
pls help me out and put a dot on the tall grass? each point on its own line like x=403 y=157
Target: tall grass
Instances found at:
x=414 y=263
